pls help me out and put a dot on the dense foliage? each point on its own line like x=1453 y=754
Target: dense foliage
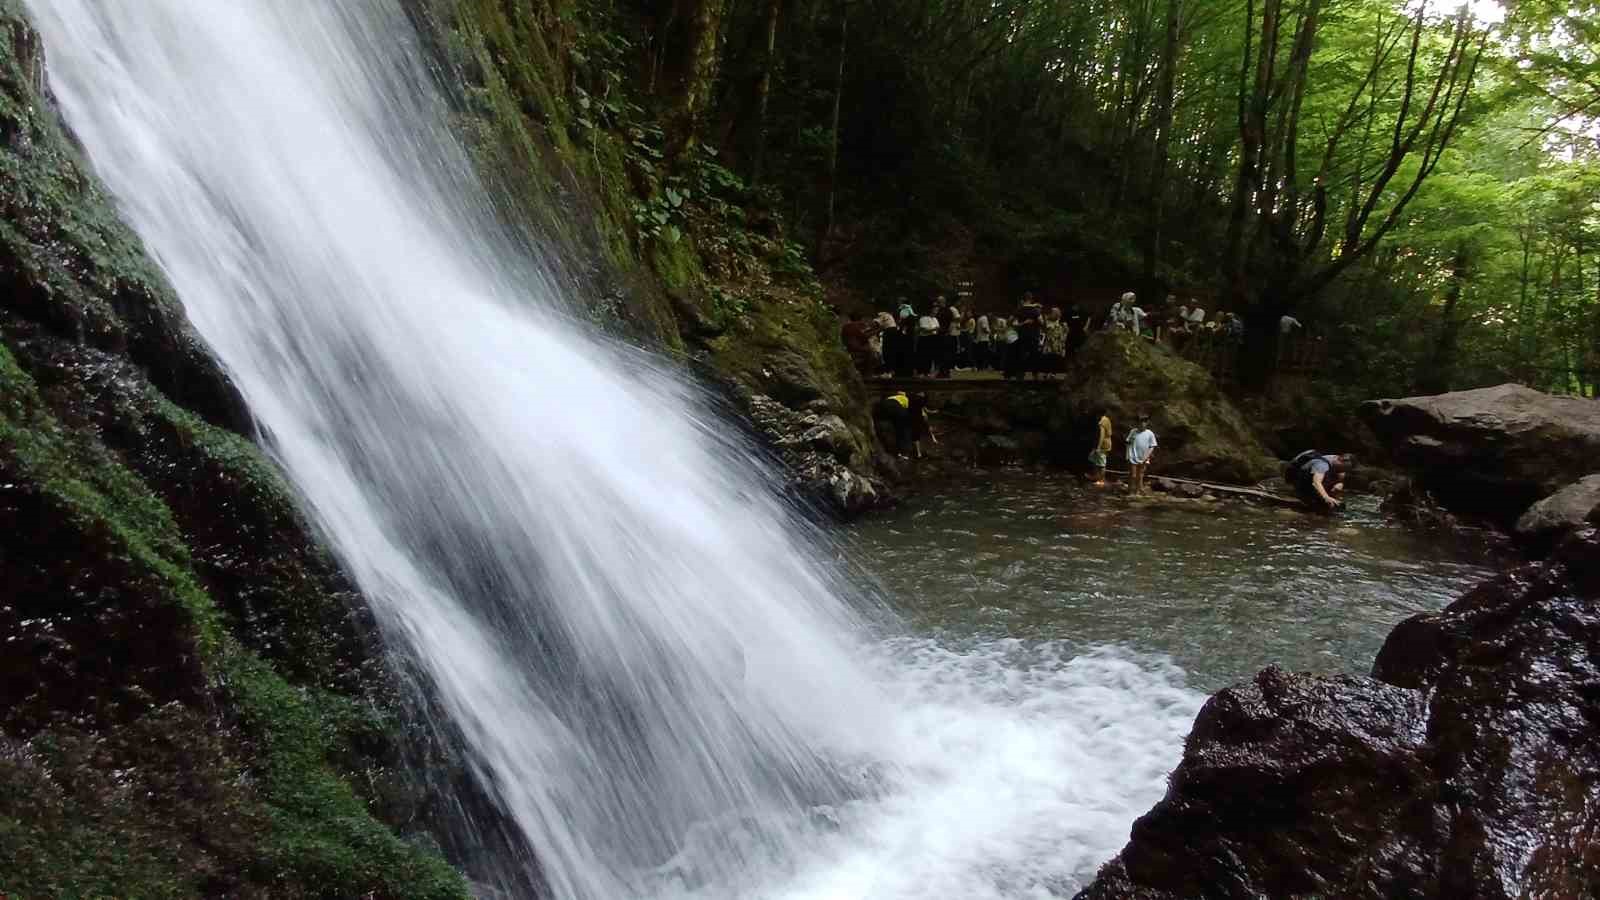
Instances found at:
x=1415 y=181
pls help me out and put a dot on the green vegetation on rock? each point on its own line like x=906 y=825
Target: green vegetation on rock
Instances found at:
x=193 y=703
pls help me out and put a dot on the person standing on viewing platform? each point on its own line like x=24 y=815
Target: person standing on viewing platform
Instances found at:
x=1055 y=341
x=904 y=362
x=1030 y=328
x=887 y=329
x=1077 y=329
x=950 y=328
x=981 y=341
x=857 y=337
x=928 y=341
x=1141 y=444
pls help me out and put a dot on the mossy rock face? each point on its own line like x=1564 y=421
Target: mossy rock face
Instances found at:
x=1201 y=432
x=192 y=702
x=543 y=103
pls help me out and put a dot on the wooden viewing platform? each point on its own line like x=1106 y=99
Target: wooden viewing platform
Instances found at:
x=962 y=381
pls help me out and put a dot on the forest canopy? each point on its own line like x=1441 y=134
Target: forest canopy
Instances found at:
x=1417 y=181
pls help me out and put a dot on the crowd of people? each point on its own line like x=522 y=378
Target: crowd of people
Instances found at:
x=1031 y=340
x=943 y=338
x=1173 y=320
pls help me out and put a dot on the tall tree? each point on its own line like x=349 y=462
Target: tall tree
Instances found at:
x=1276 y=251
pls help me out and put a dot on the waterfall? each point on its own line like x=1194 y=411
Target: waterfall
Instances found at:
x=661 y=678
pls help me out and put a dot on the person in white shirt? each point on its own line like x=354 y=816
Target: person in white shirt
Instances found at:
x=1122 y=312
x=1288 y=324
x=1141 y=444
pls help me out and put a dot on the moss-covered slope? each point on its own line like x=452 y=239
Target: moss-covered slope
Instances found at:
x=191 y=704
x=679 y=254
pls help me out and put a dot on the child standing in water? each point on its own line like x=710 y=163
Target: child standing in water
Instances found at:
x=1097 y=456
x=1141 y=442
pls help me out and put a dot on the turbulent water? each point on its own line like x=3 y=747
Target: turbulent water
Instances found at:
x=661 y=680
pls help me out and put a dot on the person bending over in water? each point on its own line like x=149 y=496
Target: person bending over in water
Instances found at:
x=1319 y=477
x=1141 y=442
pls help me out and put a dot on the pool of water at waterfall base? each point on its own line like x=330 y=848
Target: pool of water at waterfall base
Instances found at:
x=1218 y=589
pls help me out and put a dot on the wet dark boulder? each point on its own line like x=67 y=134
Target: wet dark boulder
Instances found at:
x=1467 y=766
x=1490 y=452
x=1559 y=514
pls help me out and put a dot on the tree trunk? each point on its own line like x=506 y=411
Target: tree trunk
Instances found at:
x=1439 y=374
x=688 y=69
x=758 y=149
x=1163 y=148
x=826 y=231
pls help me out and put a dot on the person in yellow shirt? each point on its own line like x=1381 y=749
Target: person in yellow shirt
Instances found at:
x=1097 y=456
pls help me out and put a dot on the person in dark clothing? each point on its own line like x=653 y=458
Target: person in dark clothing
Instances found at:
x=891 y=348
x=905 y=355
x=894 y=411
x=1077 y=330
x=1025 y=355
x=1319 y=478
x=907 y=417
x=945 y=357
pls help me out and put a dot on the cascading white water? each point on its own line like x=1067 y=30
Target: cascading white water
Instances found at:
x=645 y=651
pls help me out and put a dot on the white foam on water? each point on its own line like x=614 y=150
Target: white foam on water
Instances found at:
x=660 y=679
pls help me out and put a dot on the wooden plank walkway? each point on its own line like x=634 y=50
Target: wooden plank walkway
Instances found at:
x=1225 y=490
x=961 y=382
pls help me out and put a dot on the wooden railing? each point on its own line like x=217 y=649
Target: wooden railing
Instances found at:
x=1219 y=352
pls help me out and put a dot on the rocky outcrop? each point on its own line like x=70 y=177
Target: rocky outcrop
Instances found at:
x=1490 y=452
x=822 y=456
x=1202 y=433
x=1464 y=767
x=192 y=699
x=1559 y=514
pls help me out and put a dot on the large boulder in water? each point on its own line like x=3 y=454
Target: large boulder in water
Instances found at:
x=1493 y=451
x=1565 y=511
x=1465 y=767
x=1201 y=432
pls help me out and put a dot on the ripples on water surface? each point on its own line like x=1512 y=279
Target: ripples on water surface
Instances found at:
x=1222 y=589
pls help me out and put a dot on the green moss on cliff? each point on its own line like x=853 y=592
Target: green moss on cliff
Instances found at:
x=192 y=702
x=550 y=87
x=262 y=809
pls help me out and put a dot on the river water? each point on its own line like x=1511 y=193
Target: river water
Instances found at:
x=1219 y=589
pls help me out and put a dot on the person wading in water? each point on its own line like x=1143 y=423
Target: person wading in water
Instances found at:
x=1319 y=477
